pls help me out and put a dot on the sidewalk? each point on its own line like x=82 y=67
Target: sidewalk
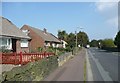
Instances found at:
x=73 y=70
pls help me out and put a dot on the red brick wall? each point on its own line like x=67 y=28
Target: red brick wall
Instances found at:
x=36 y=40
x=19 y=49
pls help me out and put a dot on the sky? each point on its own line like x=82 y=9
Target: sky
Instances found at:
x=98 y=19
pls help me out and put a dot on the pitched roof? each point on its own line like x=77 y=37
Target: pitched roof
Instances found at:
x=46 y=36
x=9 y=29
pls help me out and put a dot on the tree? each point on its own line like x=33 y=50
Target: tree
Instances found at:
x=94 y=43
x=107 y=43
x=71 y=40
x=62 y=35
x=117 y=40
x=83 y=39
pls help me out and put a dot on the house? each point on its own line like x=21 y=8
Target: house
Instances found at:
x=64 y=43
x=40 y=38
x=12 y=38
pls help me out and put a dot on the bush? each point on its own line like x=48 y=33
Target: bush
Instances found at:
x=107 y=43
x=4 y=49
x=40 y=49
x=111 y=49
x=33 y=71
x=57 y=51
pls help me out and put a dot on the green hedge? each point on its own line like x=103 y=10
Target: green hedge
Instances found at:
x=33 y=71
x=111 y=49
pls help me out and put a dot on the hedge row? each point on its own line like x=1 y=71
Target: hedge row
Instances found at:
x=33 y=71
x=111 y=49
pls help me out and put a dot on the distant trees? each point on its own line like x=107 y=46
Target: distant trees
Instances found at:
x=71 y=40
x=82 y=38
x=117 y=40
x=107 y=43
x=104 y=43
x=94 y=43
x=62 y=35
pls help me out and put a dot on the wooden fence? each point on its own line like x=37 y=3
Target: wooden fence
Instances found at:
x=22 y=58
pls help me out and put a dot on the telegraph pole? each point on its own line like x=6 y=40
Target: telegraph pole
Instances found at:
x=76 y=38
x=76 y=41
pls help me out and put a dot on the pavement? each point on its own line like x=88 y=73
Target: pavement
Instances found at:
x=7 y=67
x=73 y=70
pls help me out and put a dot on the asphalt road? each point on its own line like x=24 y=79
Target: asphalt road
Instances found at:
x=104 y=65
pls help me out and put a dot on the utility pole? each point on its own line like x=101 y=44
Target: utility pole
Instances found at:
x=76 y=41
x=76 y=38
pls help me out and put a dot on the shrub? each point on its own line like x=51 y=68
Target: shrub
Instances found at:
x=4 y=49
x=107 y=43
x=40 y=49
x=33 y=71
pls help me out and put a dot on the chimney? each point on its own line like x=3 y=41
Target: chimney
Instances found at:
x=45 y=30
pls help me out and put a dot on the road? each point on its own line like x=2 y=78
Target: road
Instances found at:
x=104 y=65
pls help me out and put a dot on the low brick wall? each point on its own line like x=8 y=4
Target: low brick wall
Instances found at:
x=64 y=58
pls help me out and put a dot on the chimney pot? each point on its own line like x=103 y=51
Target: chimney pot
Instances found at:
x=45 y=30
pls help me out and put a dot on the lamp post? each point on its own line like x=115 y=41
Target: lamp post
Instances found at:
x=76 y=38
x=76 y=41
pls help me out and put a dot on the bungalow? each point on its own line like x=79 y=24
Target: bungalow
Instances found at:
x=12 y=37
x=40 y=38
x=64 y=43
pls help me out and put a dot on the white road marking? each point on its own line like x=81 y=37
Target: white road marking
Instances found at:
x=103 y=73
x=89 y=70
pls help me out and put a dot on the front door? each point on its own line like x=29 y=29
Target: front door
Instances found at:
x=14 y=45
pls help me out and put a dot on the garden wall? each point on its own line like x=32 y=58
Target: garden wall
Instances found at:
x=64 y=58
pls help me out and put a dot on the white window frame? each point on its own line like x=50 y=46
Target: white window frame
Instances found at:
x=47 y=44
x=8 y=43
x=53 y=45
x=24 y=43
x=25 y=31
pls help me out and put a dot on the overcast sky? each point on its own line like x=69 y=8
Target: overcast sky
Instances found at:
x=98 y=19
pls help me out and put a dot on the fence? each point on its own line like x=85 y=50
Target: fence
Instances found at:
x=22 y=58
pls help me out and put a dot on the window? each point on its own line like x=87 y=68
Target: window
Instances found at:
x=24 y=43
x=47 y=44
x=4 y=41
x=7 y=42
x=25 y=31
x=0 y=42
x=53 y=45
